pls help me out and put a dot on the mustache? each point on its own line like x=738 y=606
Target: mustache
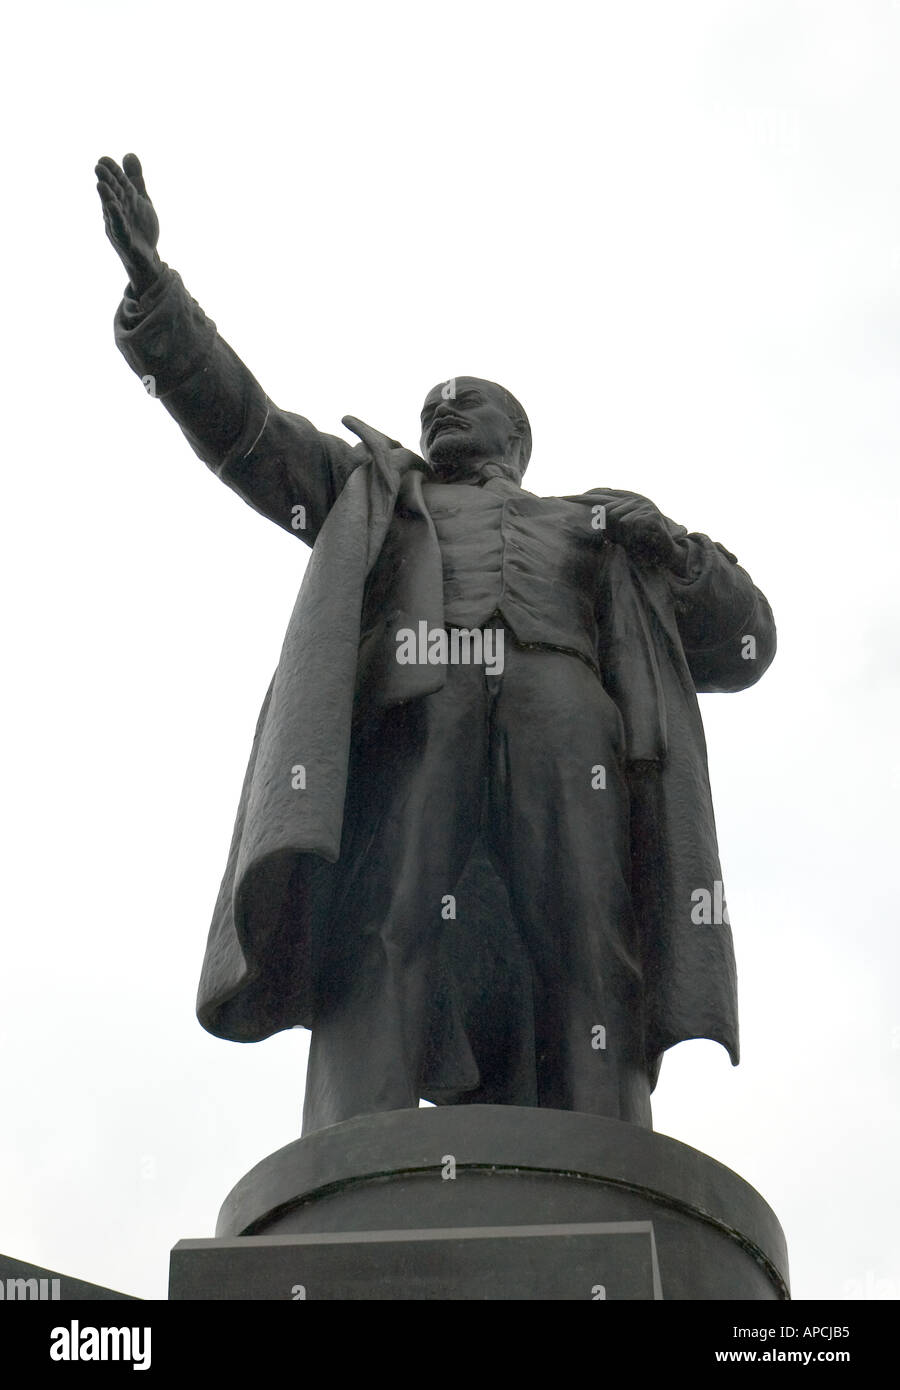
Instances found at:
x=445 y=421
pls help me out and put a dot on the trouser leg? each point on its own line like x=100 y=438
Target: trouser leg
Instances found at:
x=560 y=813
x=417 y=792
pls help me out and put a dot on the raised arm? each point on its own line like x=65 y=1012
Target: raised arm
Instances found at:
x=278 y=462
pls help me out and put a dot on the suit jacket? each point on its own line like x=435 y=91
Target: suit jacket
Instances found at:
x=663 y=638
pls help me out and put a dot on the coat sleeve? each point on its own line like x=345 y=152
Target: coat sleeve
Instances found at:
x=725 y=622
x=278 y=462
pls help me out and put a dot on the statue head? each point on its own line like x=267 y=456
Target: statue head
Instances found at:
x=474 y=428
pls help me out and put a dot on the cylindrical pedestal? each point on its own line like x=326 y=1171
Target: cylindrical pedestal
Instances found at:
x=487 y=1201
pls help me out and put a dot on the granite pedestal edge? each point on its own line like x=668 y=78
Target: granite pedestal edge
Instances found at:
x=549 y=1176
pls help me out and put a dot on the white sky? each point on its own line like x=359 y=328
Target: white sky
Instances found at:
x=673 y=230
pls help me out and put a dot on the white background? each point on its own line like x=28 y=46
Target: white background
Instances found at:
x=673 y=230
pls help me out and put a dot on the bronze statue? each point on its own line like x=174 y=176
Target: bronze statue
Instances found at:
x=475 y=850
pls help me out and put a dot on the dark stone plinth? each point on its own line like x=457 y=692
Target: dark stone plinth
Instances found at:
x=615 y=1259
x=487 y=1202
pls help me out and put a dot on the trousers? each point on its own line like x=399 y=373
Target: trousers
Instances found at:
x=531 y=760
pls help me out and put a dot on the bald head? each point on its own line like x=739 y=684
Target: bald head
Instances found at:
x=472 y=428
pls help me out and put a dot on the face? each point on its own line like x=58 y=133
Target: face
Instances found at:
x=467 y=429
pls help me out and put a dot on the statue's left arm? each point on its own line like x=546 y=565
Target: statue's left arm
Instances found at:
x=725 y=623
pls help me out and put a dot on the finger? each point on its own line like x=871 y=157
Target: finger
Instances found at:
x=116 y=225
x=132 y=167
x=113 y=179
x=638 y=514
x=108 y=176
x=112 y=173
x=627 y=507
x=110 y=200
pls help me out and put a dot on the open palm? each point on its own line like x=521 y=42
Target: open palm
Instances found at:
x=131 y=222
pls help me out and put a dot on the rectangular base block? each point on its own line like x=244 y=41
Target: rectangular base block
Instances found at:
x=588 y=1261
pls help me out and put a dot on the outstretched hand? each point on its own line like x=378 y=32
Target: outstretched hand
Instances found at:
x=131 y=222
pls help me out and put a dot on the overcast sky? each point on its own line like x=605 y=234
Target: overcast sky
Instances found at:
x=673 y=230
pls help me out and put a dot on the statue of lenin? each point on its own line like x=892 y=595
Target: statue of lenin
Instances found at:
x=475 y=850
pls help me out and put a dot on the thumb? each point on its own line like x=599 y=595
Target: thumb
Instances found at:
x=132 y=167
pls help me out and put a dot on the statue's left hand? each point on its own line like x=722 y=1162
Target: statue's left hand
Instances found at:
x=640 y=527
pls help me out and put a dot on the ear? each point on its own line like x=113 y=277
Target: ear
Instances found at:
x=514 y=453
